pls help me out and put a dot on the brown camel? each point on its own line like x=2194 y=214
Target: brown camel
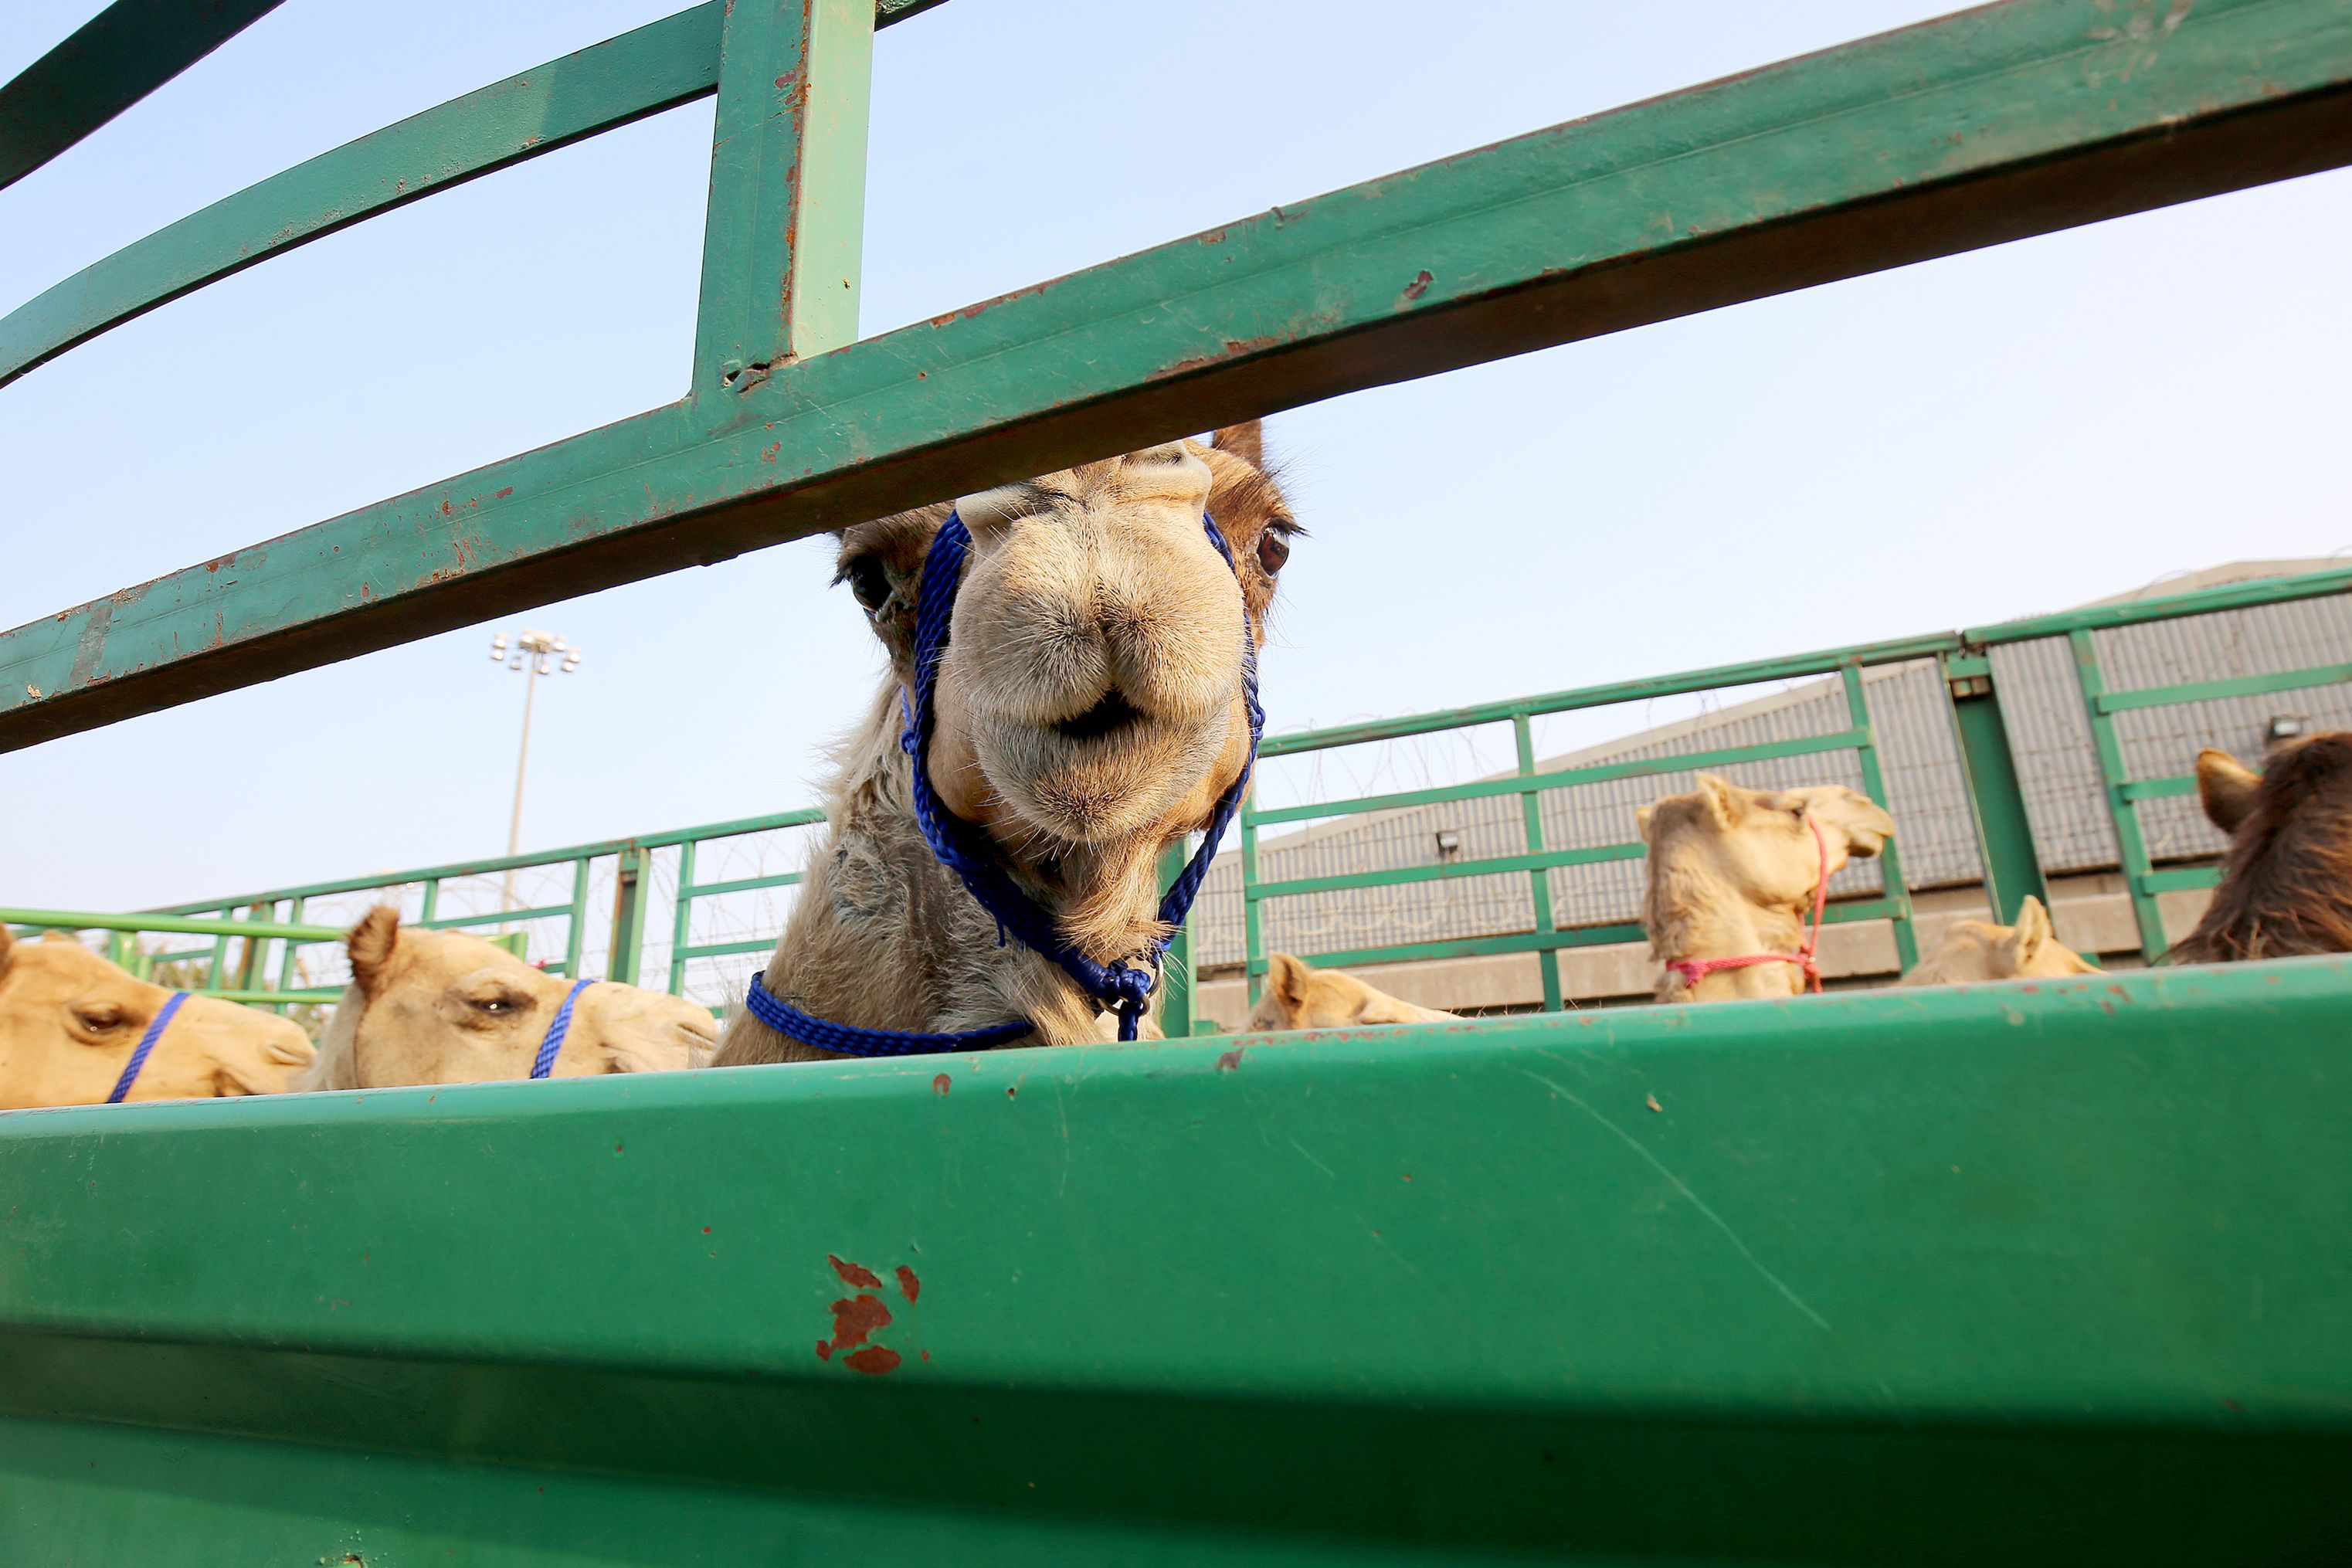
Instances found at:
x=1972 y=950
x=2286 y=884
x=1089 y=712
x=438 y=1006
x=1734 y=874
x=70 y=1021
x=1299 y=996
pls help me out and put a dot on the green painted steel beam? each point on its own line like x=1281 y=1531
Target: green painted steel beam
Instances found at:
x=167 y=925
x=1406 y=876
x=263 y=996
x=2196 y=601
x=2238 y=686
x=552 y=106
x=1973 y=130
x=2004 y=831
x=743 y=885
x=2186 y=878
x=725 y=948
x=110 y=62
x=2032 y=1274
x=2159 y=789
x=1563 y=778
x=497 y=917
x=429 y=875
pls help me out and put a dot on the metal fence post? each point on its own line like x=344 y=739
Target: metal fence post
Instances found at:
x=1253 y=937
x=1539 y=879
x=2131 y=845
x=628 y=915
x=1873 y=782
x=1176 y=974
x=2013 y=869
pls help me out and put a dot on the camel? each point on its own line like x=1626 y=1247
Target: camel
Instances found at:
x=1090 y=708
x=1734 y=874
x=1298 y=996
x=70 y=1021
x=439 y=1006
x=2287 y=883
x=1973 y=951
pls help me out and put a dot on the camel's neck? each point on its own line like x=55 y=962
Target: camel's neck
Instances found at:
x=883 y=936
x=1693 y=912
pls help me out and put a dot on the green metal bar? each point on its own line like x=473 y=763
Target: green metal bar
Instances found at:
x=1539 y=879
x=164 y=925
x=2184 y=880
x=2013 y=867
x=2198 y=602
x=1874 y=784
x=748 y=884
x=2131 y=846
x=1975 y=129
x=1406 y=876
x=1176 y=972
x=498 y=917
x=2209 y=691
x=290 y=968
x=730 y=949
x=280 y=998
x=431 y=901
x=430 y=875
x=1252 y=924
x=110 y=62
x=2160 y=789
x=1562 y=778
x=785 y=226
x=682 y=919
x=551 y=106
x=1843 y=913
x=575 y=927
x=628 y=914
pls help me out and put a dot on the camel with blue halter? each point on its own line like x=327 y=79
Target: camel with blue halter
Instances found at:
x=440 y=1006
x=75 y=1029
x=1071 y=689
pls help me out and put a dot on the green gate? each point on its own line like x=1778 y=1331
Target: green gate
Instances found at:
x=2031 y=1274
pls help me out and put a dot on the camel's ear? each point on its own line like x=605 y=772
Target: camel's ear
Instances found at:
x=1286 y=977
x=1722 y=797
x=2030 y=935
x=1641 y=816
x=2225 y=787
x=371 y=944
x=1245 y=441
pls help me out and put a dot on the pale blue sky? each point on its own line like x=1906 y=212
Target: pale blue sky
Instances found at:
x=1991 y=434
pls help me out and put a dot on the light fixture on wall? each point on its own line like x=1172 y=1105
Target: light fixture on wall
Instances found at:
x=2283 y=727
x=1449 y=842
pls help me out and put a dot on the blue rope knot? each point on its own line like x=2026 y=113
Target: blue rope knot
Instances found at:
x=964 y=849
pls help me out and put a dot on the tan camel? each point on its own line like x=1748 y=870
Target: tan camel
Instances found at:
x=438 y=1006
x=1733 y=873
x=2286 y=884
x=1973 y=951
x=1299 y=996
x=70 y=1021
x=1089 y=714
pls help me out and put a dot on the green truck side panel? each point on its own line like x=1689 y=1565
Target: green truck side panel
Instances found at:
x=2053 y=1273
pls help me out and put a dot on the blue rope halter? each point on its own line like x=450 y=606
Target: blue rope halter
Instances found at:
x=1120 y=986
x=557 y=1029
x=139 y=1055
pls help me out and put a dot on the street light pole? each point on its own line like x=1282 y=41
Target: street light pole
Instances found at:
x=533 y=654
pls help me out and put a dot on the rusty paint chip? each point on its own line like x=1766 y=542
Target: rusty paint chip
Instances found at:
x=1419 y=285
x=1231 y=1061
x=855 y=1274
x=908 y=1285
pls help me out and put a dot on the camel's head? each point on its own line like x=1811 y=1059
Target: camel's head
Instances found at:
x=1089 y=709
x=437 y=1006
x=2286 y=887
x=1297 y=997
x=70 y=1021
x=1761 y=842
x=1978 y=950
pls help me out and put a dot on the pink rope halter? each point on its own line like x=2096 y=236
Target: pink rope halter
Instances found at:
x=1693 y=969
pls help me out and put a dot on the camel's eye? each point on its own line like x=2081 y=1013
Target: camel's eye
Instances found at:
x=1273 y=551
x=495 y=1005
x=869 y=581
x=100 y=1019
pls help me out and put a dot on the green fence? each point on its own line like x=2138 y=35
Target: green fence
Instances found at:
x=1941 y=1277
